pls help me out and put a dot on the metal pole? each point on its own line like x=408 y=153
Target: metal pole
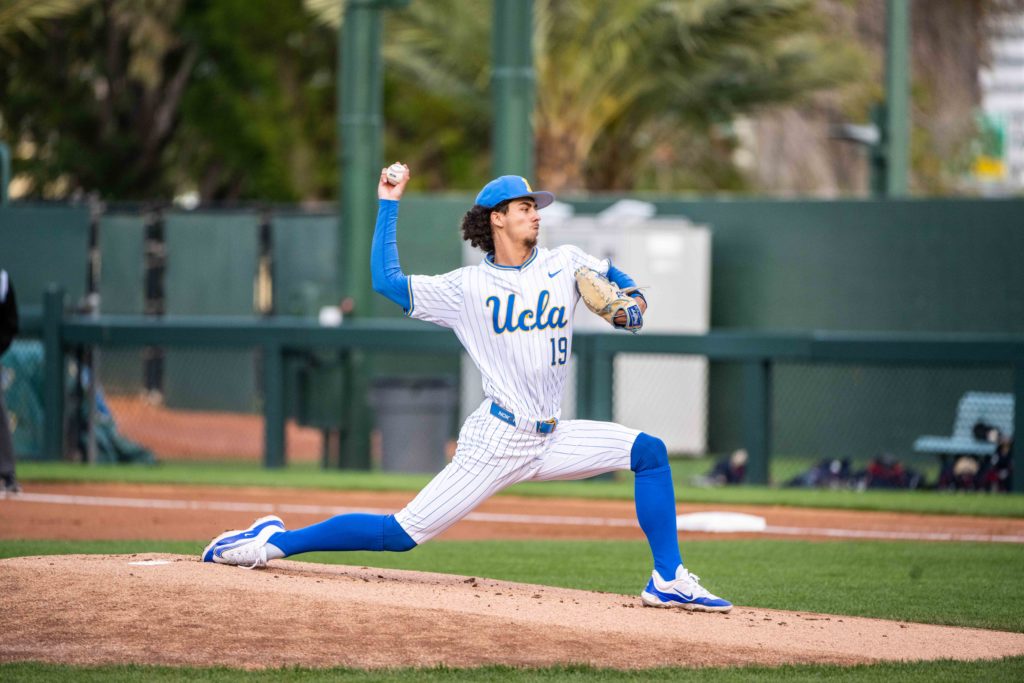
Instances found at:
x=583 y=358
x=878 y=154
x=513 y=84
x=91 y=356
x=274 y=444
x=897 y=94
x=602 y=389
x=53 y=374
x=360 y=132
x=5 y=172
x=1017 y=481
x=757 y=418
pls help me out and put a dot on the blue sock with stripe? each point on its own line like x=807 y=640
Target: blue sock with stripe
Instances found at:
x=355 y=531
x=655 y=498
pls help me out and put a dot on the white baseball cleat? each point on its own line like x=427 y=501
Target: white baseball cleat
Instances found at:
x=683 y=591
x=254 y=538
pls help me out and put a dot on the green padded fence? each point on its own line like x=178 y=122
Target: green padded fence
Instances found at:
x=43 y=244
x=211 y=268
x=122 y=242
x=901 y=265
x=305 y=262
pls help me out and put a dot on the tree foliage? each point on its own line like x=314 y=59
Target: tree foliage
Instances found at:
x=618 y=83
x=137 y=99
x=92 y=102
x=258 y=117
x=235 y=99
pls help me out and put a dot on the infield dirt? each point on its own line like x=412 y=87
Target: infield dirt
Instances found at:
x=175 y=610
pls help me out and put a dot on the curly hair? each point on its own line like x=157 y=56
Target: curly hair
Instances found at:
x=476 y=225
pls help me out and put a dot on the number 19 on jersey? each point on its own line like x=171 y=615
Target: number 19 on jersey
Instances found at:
x=559 y=350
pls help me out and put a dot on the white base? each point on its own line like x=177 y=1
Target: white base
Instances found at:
x=720 y=522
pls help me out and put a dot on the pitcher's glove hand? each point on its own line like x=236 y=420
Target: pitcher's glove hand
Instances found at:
x=605 y=299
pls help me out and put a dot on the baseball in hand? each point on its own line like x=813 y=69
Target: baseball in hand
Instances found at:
x=395 y=173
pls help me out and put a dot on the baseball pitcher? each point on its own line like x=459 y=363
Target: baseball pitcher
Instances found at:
x=513 y=314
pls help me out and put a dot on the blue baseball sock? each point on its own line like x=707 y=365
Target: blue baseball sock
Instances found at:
x=655 y=498
x=356 y=531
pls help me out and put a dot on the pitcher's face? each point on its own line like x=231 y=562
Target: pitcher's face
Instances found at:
x=521 y=223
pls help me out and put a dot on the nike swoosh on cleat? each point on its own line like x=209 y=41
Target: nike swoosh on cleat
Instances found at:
x=555 y=273
x=675 y=596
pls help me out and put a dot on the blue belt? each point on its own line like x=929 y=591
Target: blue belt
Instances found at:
x=543 y=426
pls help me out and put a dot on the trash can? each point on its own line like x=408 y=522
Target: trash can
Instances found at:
x=414 y=416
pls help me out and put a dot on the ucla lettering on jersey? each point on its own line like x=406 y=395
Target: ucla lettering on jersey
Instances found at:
x=541 y=319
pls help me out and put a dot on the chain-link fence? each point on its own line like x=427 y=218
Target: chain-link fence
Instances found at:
x=196 y=403
x=830 y=423
x=871 y=415
x=190 y=403
x=21 y=381
x=826 y=419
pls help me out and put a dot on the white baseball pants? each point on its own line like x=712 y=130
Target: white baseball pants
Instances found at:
x=493 y=455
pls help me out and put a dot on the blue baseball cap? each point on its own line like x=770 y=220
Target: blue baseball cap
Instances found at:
x=511 y=187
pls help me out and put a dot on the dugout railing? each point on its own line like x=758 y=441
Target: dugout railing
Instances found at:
x=756 y=352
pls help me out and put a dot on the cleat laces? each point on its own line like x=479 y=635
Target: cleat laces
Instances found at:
x=246 y=556
x=693 y=584
x=255 y=555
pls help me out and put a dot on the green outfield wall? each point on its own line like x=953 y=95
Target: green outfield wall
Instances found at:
x=944 y=265
x=122 y=244
x=916 y=265
x=903 y=265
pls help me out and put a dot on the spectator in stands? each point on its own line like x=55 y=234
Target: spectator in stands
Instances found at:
x=8 y=330
x=962 y=475
x=886 y=472
x=995 y=470
x=731 y=470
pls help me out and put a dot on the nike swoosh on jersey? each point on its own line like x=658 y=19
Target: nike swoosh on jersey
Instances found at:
x=555 y=273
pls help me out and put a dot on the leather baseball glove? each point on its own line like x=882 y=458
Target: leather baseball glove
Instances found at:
x=605 y=299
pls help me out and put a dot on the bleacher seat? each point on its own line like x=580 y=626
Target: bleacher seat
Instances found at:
x=974 y=407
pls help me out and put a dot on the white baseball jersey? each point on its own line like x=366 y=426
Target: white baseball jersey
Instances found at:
x=514 y=322
x=516 y=325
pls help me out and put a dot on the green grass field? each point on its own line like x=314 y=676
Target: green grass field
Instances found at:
x=935 y=583
x=1010 y=669
x=619 y=488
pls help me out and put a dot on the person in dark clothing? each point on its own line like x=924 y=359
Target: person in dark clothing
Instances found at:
x=8 y=330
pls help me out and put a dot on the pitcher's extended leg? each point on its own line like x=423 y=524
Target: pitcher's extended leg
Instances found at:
x=353 y=531
x=655 y=499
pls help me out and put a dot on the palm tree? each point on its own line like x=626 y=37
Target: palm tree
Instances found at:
x=619 y=79
x=634 y=76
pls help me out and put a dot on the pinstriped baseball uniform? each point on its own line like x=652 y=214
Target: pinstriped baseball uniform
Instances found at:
x=516 y=325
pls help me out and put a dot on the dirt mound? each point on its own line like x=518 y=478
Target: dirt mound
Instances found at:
x=171 y=609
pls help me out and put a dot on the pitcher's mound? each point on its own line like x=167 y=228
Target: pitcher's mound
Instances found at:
x=170 y=609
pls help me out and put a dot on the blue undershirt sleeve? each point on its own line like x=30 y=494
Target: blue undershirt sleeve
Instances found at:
x=623 y=281
x=385 y=269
